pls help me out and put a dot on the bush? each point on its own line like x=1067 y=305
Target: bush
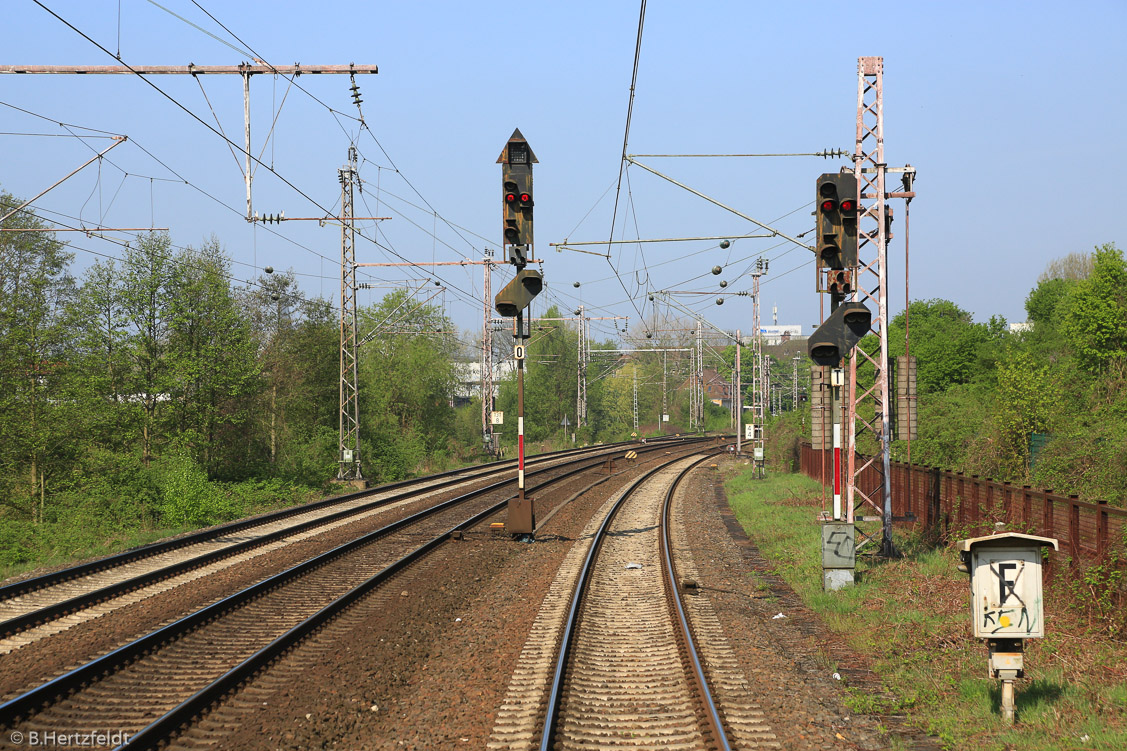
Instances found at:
x=187 y=497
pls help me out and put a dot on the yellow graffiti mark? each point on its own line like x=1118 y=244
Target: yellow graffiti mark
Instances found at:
x=1004 y=621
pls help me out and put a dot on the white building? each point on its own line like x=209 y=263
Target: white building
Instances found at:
x=779 y=333
x=469 y=379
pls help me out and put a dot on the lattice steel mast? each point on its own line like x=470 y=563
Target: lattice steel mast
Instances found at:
x=758 y=376
x=349 y=456
x=869 y=168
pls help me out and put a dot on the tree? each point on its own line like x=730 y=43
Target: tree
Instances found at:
x=101 y=369
x=550 y=379
x=1094 y=316
x=212 y=358
x=145 y=292
x=949 y=347
x=407 y=381
x=35 y=290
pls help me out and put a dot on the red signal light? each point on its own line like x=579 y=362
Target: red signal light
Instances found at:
x=848 y=205
x=829 y=205
x=525 y=198
x=510 y=197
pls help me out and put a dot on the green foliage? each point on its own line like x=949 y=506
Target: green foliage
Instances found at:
x=950 y=348
x=1026 y=396
x=187 y=498
x=1094 y=315
x=406 y=381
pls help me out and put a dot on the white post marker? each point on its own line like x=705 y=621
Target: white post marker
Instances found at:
x=837 y=471
x=520 y=453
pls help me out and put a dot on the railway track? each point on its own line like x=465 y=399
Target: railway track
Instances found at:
x=153 y=685
x=612 y=660
x=35 y=608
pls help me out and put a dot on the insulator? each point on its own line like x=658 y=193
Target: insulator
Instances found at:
x=269 y=269
x=724 y=244
x=716 y=270
x=274 y=296
x=719 y=300
x=575 y=284
x=723 y=283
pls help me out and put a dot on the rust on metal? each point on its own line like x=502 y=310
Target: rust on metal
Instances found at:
x=522 y=515
x=516 y=137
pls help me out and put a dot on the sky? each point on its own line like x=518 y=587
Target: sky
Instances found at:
x=1011 y=112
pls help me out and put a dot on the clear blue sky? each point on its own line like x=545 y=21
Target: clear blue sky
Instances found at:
x=1012 y=112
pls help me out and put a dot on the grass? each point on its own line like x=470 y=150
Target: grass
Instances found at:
x=910 y=615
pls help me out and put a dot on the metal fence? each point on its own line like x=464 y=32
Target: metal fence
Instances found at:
x=943 y=501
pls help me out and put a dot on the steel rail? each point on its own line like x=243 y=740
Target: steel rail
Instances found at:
x=155 y=734
x=78 y=602
x=45 y=694
x=16 y=589
x=673 y=593
x=556 y=694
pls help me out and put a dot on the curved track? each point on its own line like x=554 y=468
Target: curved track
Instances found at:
x=54 y=600
x=612 y=661
x=155 y=684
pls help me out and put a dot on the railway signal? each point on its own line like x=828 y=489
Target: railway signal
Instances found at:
x=519 y=293
x=836 y=211
x=516 y=162
x=839 y=333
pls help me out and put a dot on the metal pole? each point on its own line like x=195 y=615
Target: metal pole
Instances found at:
x=664 y=408
x=520 y=408
x=246 y=124
x=635 y=397
x=349 y=454
x=739 y=398
x=487 y=357
x=794 y=376
x=908 y=405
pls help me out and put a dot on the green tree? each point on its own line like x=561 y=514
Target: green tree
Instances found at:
x=407 y=380
x=950 y=348
x=145 y=295
x=1094 y=315
x=35 y=290
x=550 y=379
x=1026 y=395
x=101 y=363
x=212 y=359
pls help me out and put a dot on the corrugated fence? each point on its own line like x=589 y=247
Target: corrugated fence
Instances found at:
x=941 y=501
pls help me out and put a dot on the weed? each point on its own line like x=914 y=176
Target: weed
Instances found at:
x=912 y=615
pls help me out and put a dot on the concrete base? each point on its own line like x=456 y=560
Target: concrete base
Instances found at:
x=834 y=579
x=352 y=484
